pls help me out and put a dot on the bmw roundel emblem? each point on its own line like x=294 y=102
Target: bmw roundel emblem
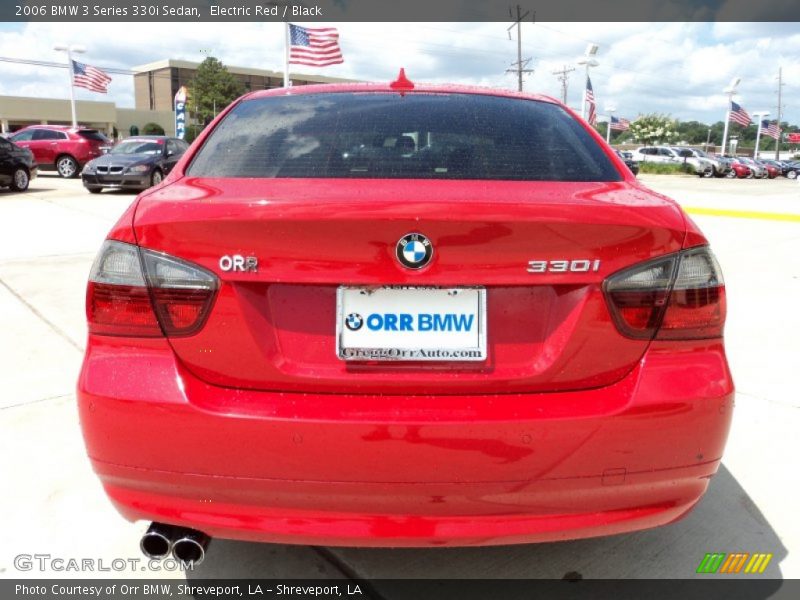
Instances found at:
x=414 y=250
x=354 y=321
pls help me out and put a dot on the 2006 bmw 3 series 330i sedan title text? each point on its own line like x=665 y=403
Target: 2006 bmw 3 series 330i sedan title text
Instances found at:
x=377 y=315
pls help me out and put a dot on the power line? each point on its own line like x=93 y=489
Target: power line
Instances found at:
x=58 y=65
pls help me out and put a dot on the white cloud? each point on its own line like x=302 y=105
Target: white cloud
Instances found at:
x=676 y=68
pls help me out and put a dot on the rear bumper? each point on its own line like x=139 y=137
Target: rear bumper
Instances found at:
x=404 y=471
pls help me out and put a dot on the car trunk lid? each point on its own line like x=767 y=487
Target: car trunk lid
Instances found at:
x=275 y=329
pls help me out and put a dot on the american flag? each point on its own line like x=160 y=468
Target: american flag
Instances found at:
x=620 y=124
x=739 y=115
x=771 y=129
x=89 y=77
x=314 y=47
x=591 y=112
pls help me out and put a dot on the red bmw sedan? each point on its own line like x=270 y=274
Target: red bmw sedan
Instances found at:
x=399 y=315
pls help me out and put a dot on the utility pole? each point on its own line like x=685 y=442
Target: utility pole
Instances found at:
x=780 y=133
x=563 y=77
x=520 y=65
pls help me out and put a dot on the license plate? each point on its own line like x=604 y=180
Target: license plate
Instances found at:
x=411 y=323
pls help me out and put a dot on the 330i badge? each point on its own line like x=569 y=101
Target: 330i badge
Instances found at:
x=468 y=323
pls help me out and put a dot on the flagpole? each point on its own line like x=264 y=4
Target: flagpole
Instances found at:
x=759 y=116
x=69 y=49
x=286 y=45
x=730 y=91
x=589 y=61
x=725 y=131
x=758 y=137
x=72 y=87
x=585 y=87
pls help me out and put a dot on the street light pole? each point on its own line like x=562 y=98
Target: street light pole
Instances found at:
x=588 y=61
x=69 y=50
x=759 y=114
x=730 y=90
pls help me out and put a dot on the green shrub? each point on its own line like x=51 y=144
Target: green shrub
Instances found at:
x=192 y=131
x=152 y=129
x=665 y=168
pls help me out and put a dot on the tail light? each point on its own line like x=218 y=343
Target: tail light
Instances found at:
x=138 y=292
x=676 y=297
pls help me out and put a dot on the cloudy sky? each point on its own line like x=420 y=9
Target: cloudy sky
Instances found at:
x=675 y=68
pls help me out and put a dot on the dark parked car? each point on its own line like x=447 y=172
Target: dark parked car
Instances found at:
x=60 y=148
x=17 y=166
x=788 y=169
x=793 y=171
x=627 y=157
x=135 y=163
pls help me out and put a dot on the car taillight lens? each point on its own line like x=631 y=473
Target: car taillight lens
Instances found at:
x=677 y=297
x=138 y=292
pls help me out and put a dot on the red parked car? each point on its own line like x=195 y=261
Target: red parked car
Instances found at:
x=772 y=170
x=741 y=170
x=60 y=148
x=398 y=315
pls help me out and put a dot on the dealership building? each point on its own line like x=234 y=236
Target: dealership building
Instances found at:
x=155 y=85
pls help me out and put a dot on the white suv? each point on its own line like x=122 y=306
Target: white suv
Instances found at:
x=666 y=154
x=721 y=169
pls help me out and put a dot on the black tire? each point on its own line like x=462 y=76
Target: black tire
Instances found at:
x=156 y=178
x=67 y=166
x=94 y=189
x=791 y=175
x=20 y=179
x=731 y=174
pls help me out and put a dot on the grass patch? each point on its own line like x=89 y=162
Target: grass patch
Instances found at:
x=665 y=168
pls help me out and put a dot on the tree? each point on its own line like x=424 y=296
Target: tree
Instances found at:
x=653 y=129
x=692 y=132
x=212 y=89
x=152 y=129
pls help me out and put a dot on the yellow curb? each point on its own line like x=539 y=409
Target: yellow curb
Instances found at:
x=742 y=214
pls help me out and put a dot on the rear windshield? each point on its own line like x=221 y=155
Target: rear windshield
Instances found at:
x=383 y=135
x=92 y=134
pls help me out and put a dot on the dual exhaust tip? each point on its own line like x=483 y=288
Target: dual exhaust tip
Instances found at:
x=187 y=546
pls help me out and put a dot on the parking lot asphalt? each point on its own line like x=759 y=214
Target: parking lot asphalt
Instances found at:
x=54 y=505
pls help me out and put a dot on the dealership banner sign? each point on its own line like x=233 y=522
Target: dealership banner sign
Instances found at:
x=180 y=113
